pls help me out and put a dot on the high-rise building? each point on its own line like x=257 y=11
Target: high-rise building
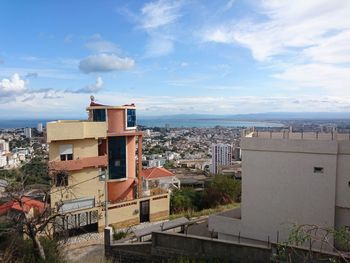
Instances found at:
x=4 y=146
x=289 y=178
x=28 y=132
x=221 y=156
x=40 y=127
x=92 y=162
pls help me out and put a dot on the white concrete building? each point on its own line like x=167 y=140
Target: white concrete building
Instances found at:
x=289 y=178
x=4 y=146
x=3 y=161
x=40 y=127
x=28 y=132
x=158 y=177
x=221 y=156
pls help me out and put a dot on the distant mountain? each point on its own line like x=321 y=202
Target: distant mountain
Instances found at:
x=260 y=116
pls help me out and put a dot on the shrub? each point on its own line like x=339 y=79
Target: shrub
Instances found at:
x=222 y=190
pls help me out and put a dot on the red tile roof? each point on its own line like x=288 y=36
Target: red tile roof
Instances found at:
x=28 y=203
x=156 y=172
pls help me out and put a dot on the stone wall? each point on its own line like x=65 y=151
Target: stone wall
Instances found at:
x=167 y=247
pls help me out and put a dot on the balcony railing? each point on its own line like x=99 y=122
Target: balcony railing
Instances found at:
x=73 y=165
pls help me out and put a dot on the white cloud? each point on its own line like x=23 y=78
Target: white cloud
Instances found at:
x=159 y=13
x=159 y=46
x=92 y=88
x=334 y=79
x=100 y=45
x=12 y=86
x=156 y=19
x=314 y=35
x=68 y=38
x=105 y=63
x=290 y=24
x=31 y=75
x=73 y=104
x=334 y=49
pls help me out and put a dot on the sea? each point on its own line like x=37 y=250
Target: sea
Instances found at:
x=170 y=122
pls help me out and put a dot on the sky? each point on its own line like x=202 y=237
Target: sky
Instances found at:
x=174 y=57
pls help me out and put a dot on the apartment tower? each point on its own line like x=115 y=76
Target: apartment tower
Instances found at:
x=221 y=156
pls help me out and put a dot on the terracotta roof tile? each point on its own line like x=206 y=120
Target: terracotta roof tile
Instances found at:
x=28 y=203
x=156 y=172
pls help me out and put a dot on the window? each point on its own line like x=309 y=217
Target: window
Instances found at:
x=99 y=115
x=66 y=152
x=318 y=170
x=102 y=174
x=61 y=179
x=117 y=157
x=131 y=118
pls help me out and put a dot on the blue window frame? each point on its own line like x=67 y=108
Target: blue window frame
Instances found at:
x=131 y=118
x=99 y=115
x=117 y=157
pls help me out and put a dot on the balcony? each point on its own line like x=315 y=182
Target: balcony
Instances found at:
x=75 y=130
x=74 y=165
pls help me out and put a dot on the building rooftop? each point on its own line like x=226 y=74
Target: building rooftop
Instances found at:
x=333 y=136
x=156 y=172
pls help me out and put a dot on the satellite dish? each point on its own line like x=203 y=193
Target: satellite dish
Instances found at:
x=92 y=98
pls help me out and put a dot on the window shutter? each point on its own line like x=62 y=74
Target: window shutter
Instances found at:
x=66 y=149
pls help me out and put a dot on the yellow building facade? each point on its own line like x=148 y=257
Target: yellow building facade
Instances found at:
x=93 y=162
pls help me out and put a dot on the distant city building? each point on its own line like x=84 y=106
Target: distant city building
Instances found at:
x=147 y=133
x=221 y=156
x=3 y=161
x=28 y=132
x=289 y=178
x=158 y=177
x=156 y=162
x=40 y=127
x=4 y=146
x=237 y=153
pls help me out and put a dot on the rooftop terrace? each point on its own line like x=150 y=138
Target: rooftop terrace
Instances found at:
x=333 y=136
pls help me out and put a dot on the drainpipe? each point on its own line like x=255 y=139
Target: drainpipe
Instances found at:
x=139 y=188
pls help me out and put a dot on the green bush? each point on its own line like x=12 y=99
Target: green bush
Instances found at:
x=185 y=199
x=221 y=191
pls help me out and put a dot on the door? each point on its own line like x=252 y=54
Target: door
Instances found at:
x=144 y=211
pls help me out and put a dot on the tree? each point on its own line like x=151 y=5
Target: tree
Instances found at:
x=183 y=200
x=222 y=190
x=317 y=241
x=34 y=219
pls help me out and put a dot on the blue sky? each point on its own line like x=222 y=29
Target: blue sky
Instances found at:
x=174 y=57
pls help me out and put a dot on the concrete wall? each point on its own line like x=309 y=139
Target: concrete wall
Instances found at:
x=116 y=120
x=128 y=213
x=72 y=130
x=83 y=183
x=279 y=188
x=81 y=148
x=171 y=247
x=343 y=175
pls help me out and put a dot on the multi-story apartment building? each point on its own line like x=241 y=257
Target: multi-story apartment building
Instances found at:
x=289 y=178
x=221 y=156
x=28 y=132
x=94 y=162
